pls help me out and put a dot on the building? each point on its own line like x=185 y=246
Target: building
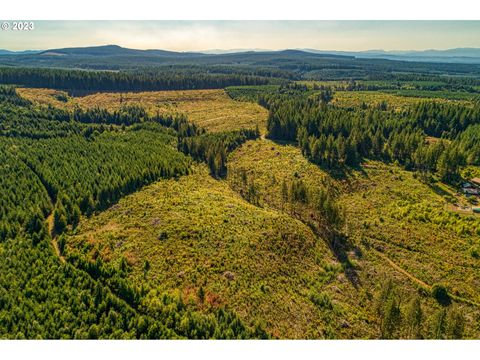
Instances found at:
x=471 y=191
x=472 y=187
x=475 y=181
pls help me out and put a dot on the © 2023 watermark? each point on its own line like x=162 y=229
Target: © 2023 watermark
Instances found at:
x=17 y=25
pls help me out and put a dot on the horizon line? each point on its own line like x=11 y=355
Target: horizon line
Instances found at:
x=235 y=50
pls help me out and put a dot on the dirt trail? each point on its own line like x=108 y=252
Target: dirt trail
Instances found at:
x=49 y=219
x=404 y=272
x=54 y=242
x=420 y=282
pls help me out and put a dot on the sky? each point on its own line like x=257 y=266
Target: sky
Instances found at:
x=228 y=35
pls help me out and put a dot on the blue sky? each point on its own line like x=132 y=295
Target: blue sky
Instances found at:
x=274 y=35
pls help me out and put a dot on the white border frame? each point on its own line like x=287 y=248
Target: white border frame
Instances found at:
x=240 y=10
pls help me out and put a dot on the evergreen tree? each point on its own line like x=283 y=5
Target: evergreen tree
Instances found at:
x=440 y=324
x=414 y=319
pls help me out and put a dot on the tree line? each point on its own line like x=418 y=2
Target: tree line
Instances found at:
x=93 y=173
x=80 y=80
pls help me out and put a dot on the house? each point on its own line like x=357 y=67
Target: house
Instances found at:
x=471 y=191
x=475 y=181
x=472 y=187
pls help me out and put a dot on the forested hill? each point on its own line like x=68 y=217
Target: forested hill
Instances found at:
x=286 y=64
x=114 y=50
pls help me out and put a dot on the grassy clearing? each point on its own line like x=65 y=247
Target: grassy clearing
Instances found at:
x=277 y=176
x=374 y=98
x=212 y=109
x=354 y=289
x=391 y=211
x=197 y=233
x=56 y=98
x=397 y=224
x=204 y=241
x=447 y=95
x=267 y=164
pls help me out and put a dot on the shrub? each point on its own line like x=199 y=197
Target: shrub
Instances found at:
x=475 y=252
x=61 y=97
x=321 y=300
x=163 y=236
x=440 y=293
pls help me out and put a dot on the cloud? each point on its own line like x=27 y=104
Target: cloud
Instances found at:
x=203 y=35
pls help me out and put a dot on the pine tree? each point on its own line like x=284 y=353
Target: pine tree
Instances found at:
x=201 y=294
x=341 y=149
x=59 y=218
x=414 y=319
x=75 y=217
x=440 y=324
x=146 y=268
x=392 y=317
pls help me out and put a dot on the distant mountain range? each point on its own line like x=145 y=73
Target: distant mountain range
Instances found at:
x=289 y=63
x=9 y=52
x=457 y=55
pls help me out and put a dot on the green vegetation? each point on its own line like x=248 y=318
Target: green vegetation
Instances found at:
x=43 y=295
x=332 y=136
x=24 y=202
x=277 y=176
x=77 y=80
x=213 y=110
x=213 y=148
x=287 y=196
x=413 y=257
x=203 y=240
x=249 y=93
x=69 y=167
x=433 y=249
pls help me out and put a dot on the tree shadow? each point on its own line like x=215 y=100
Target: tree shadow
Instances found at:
x=440 y=293
x=343 y=172
x=339 y=245
x=337 y=242
x=282 y=142
x=438 y=190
